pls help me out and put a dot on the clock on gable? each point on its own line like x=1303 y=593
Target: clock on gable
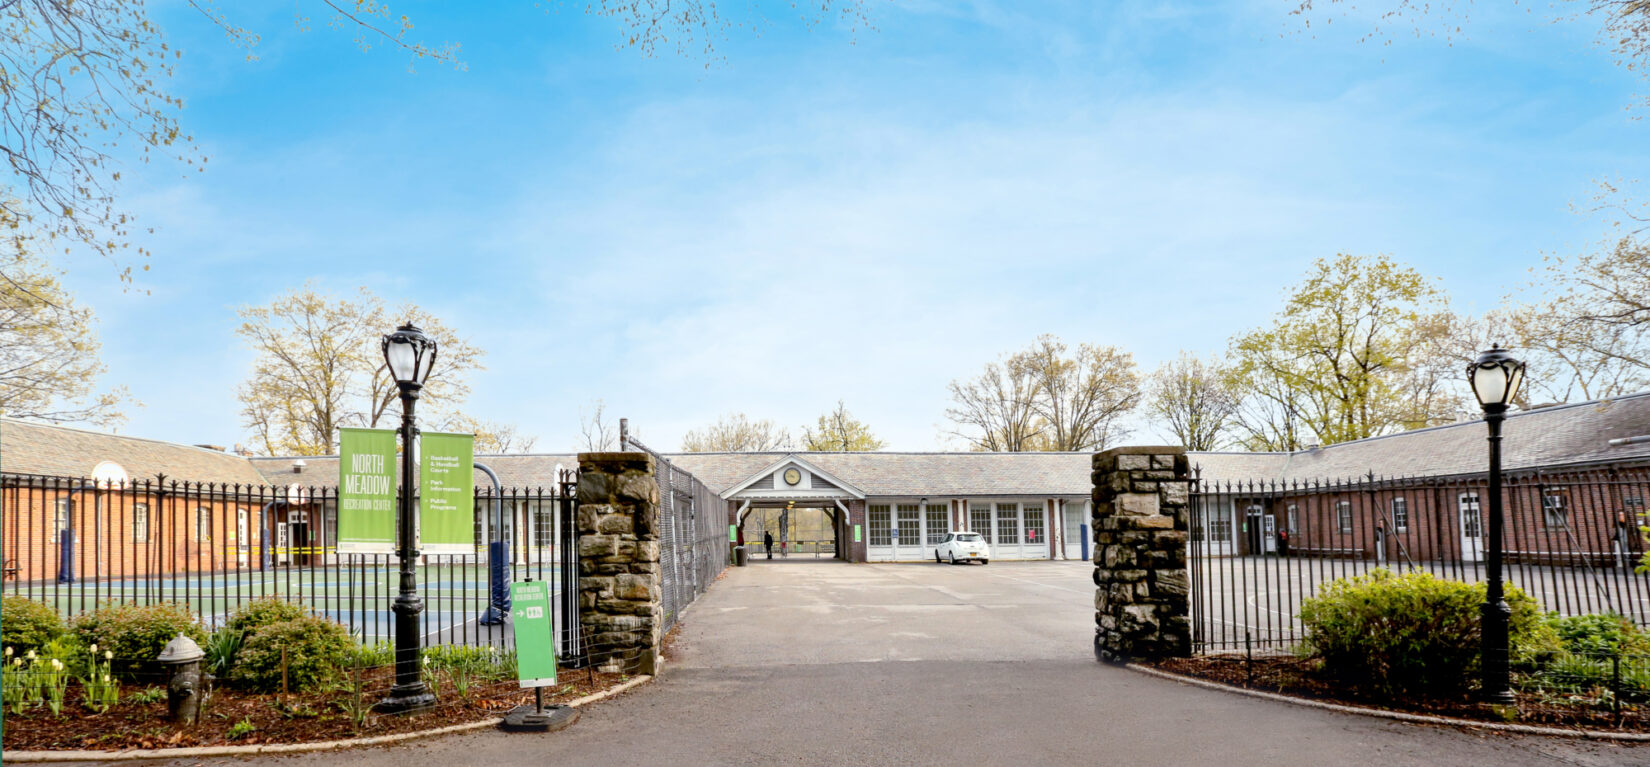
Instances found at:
x=792 y=476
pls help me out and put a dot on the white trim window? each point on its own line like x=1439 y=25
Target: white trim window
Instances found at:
x=1294 y=519
x=936 y=522
x=203 y=524
x=1555 y=511
x=1343 y=516
x=979 y=520
x=1400 y=515
x=60 y=519
x=140 y=523
x=878 y=523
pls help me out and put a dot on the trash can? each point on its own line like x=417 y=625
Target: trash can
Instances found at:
x=740 y=556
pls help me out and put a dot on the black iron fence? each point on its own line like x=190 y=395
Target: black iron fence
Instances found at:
x=75 y=544
x=1256 y=549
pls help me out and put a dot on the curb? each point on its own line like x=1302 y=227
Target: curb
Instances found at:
x=295 y=748
x=1448 y=721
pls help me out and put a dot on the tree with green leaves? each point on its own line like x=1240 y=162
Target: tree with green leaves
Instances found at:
x=839 y=430
x=320 y=366
x=1354 y=353
x=49 y=350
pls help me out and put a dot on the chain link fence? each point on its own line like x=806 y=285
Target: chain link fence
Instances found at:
x=693 y=533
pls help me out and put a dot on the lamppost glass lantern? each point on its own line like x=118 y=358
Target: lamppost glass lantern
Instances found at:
x=410 y=354
x=1495 y=377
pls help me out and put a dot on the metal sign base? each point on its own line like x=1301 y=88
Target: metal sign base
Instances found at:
x=529 y=718
x=539 y=717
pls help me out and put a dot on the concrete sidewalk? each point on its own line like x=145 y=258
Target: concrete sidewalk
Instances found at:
x=934 y=664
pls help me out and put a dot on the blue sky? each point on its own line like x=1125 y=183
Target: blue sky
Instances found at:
x=827 y=214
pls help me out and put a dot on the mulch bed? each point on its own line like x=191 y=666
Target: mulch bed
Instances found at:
x=1302 y=677
x=297 y=718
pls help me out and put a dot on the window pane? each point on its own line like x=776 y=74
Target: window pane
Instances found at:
x=1470 y=520
x=1343 y=512
x=1034 y=524
x=1400 y=514
x=1008 y=524
x=140 y=523
x=938 y=519
x=910 y=525
x=878 y=519
x=979 y=520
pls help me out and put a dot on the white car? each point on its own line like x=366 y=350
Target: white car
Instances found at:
x=961 y=547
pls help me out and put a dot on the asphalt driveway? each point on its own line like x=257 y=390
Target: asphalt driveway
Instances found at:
x=828 y=663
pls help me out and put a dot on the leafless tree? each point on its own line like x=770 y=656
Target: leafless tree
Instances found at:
x=1189 y=396
x=600 y=435
x=840 y=430
x=733 y=433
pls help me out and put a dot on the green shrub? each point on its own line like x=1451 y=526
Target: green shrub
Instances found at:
x=380 y=653
x=221 y=648
x=27 y=625
x=317 y=653
x=1599 y=634
x=1410 y=633
x=258 y=613
x=136 y=633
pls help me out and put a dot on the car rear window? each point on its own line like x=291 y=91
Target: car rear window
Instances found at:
x=969 y=537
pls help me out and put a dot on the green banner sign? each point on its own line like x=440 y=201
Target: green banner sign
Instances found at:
x=733 y=533
x=535 y=633
x=366 y=491
x=446 y=484
x=856 y=533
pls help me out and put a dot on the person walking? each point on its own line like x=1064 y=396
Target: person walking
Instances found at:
x=767 y=543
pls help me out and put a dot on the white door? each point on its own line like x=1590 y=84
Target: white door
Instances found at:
x=243 y=541
x=1007 y=523
x=1472 y=528
x=1269 y=533
x=1212 y=529
x=979 y=521
x=282 y=539
x=879 y=532
x=1034 y=534
x=936 y=524
x=907 y=532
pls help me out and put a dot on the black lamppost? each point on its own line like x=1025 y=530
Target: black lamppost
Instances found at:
x=1495 y=377
x=409 y=354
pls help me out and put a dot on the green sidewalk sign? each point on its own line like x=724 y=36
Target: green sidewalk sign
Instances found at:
x=446 y=483
x=366 y=491
x=535 y=633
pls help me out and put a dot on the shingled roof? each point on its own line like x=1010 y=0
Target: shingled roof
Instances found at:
x=913 y=474
x=1561 y=436
x=1551 y=437
x=34 y=448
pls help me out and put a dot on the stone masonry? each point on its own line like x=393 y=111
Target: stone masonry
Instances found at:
x=620 y=605
x=1140 y=520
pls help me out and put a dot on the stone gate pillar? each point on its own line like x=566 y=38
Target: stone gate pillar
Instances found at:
x=1141 y=600
x=620 y=605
